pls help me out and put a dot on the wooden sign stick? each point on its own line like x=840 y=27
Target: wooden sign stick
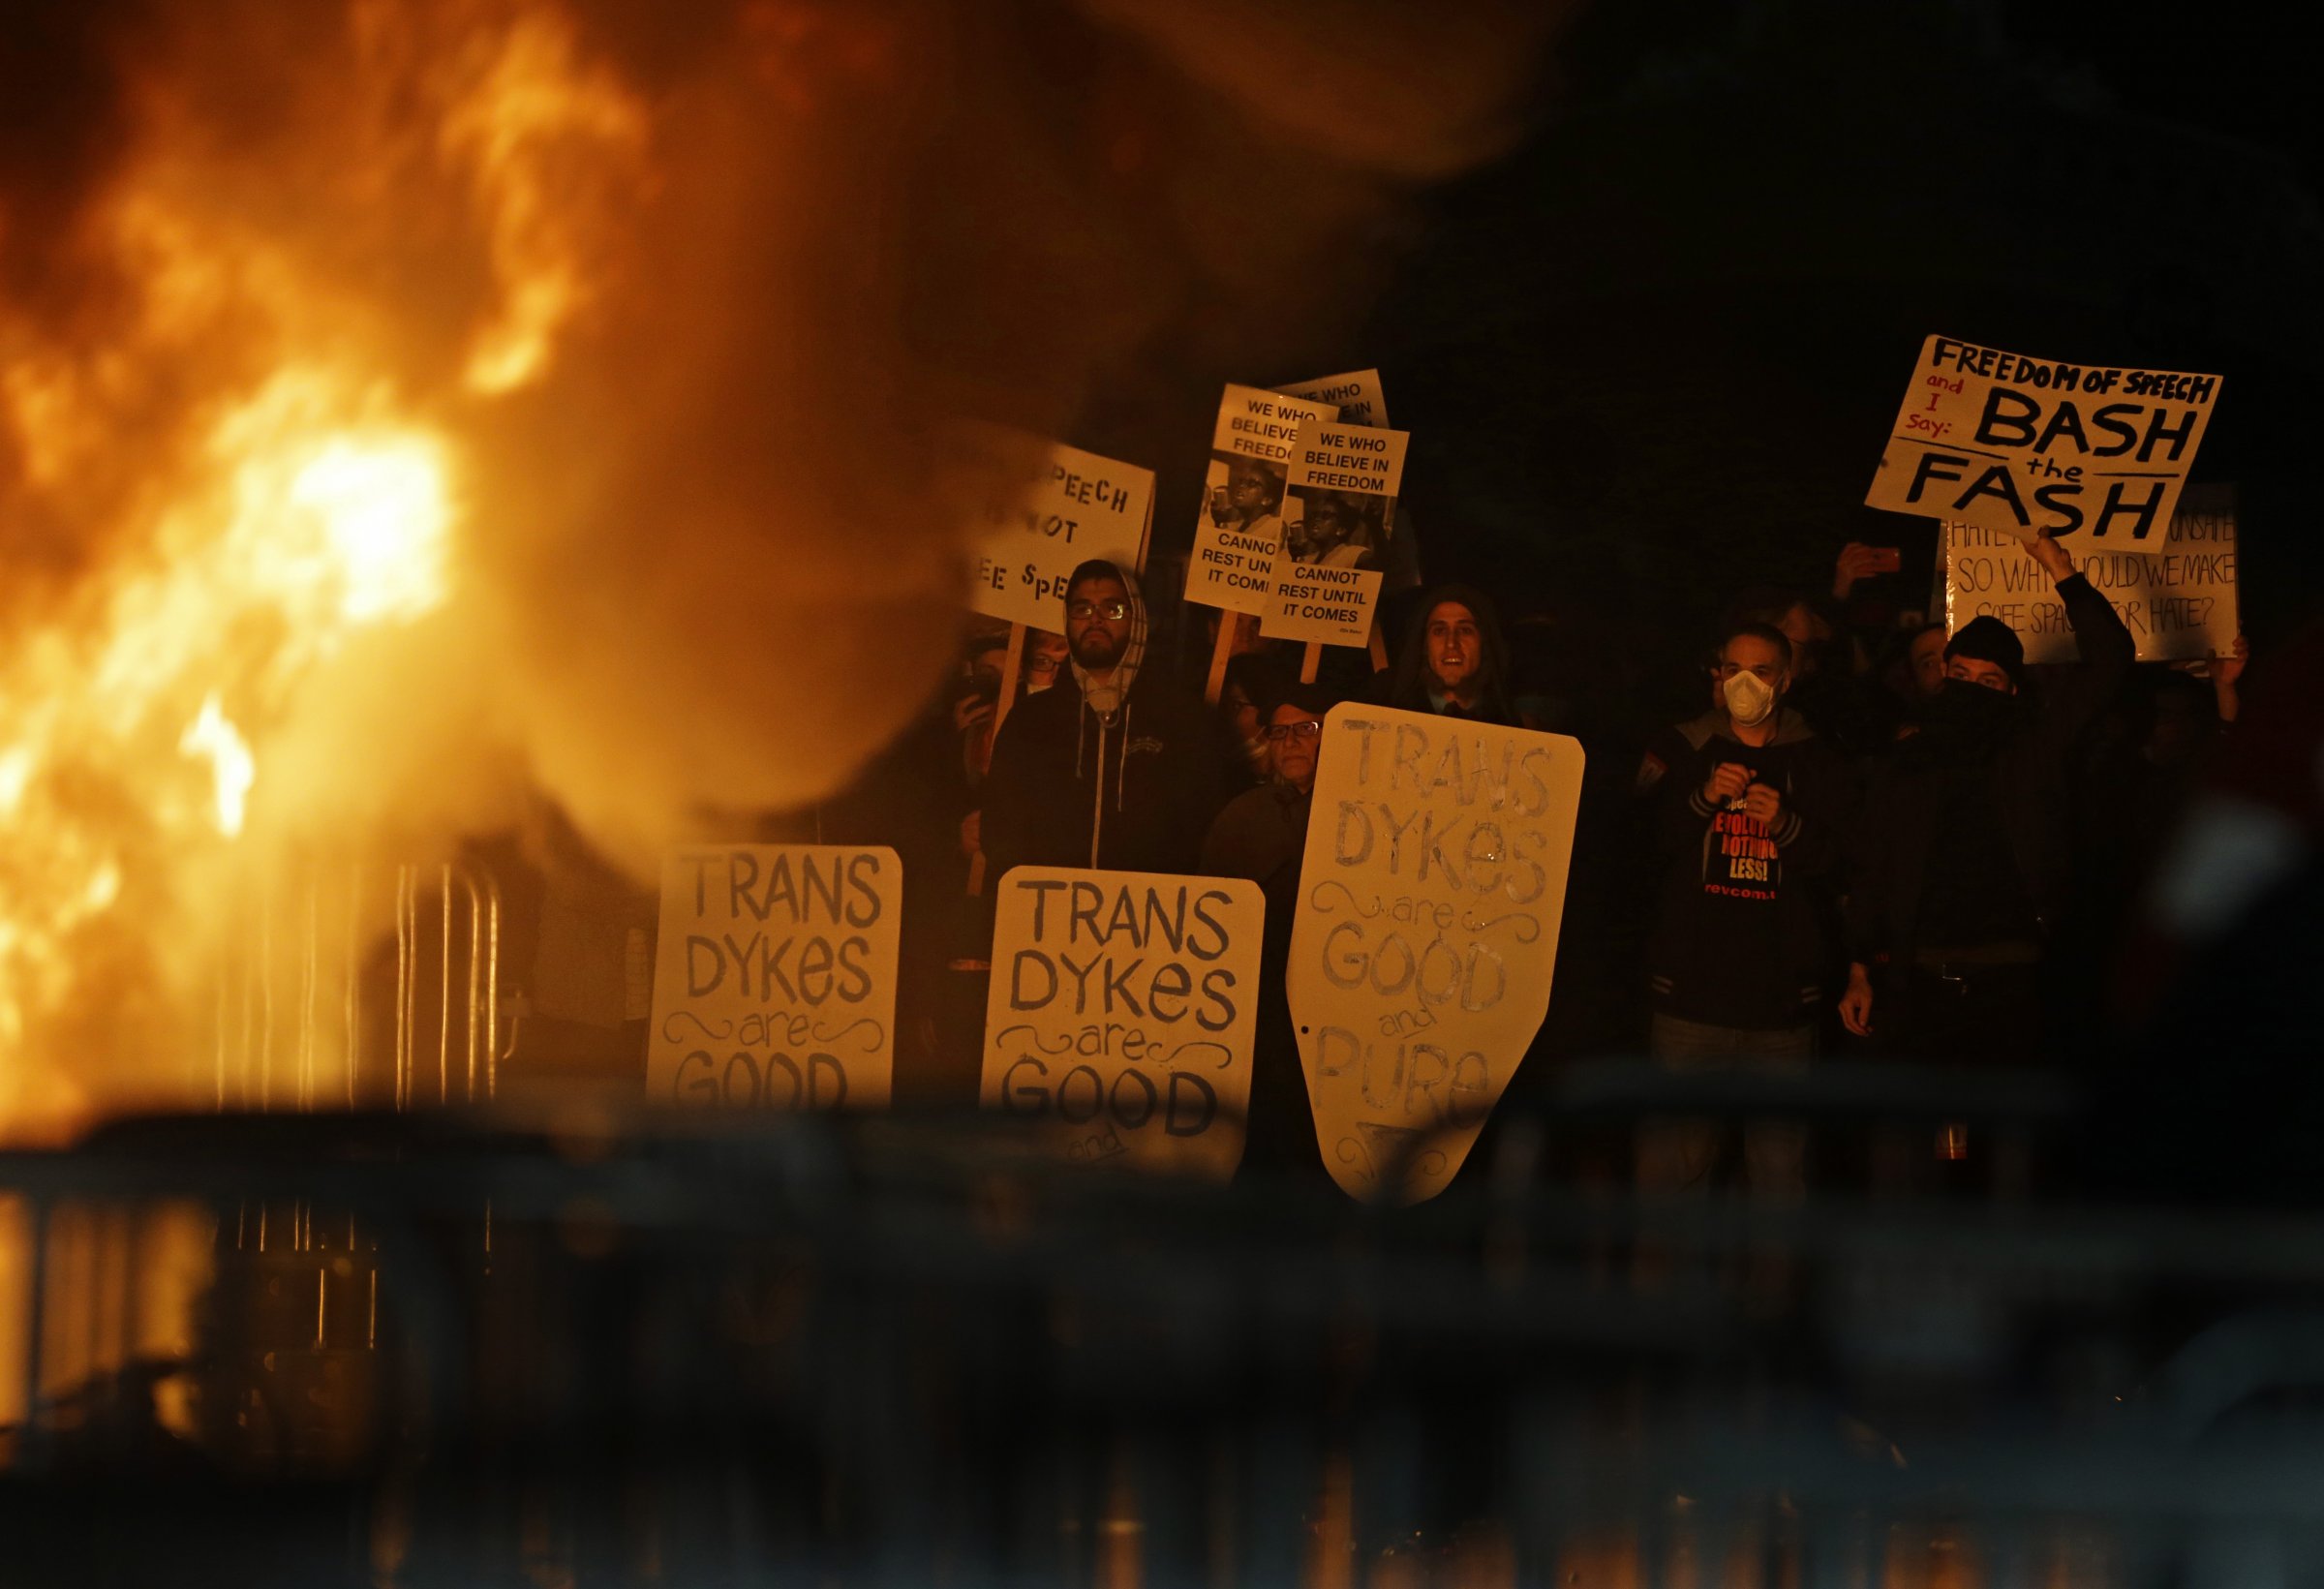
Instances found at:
x=1309 y=661
x=1222 y=648
x=1378 y=645
x=1010 y=662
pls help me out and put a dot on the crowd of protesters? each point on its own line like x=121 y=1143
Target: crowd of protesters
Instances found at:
x=1865 y=838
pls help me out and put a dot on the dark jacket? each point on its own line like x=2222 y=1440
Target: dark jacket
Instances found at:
x=1747 y=921
x=1149 y=781
x=2019 y=772
x=1263 y=835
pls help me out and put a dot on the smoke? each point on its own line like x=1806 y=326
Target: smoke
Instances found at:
x=670 y=306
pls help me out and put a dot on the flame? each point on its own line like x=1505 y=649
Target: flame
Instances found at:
x=535 y=96
x=408 y=408
x=261 y=474
x=214 y=736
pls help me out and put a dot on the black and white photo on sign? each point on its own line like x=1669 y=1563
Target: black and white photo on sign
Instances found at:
x=1244 y=496
x=1335 y=529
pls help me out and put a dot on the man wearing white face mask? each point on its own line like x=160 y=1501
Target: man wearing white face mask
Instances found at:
x=1752 y=809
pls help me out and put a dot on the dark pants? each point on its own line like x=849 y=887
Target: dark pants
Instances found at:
x=1678 y=1156
x=1948 y=1014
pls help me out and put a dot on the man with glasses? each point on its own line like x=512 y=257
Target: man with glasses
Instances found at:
x=1750 y=828
x=1262 y=835
x=1115 y=766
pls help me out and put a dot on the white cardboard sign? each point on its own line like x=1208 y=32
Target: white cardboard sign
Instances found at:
x=1425 y=940
x=1121 y=1014
x=2022 y=445
x=775 y=977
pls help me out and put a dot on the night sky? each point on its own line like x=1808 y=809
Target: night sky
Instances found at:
x=1650 y=357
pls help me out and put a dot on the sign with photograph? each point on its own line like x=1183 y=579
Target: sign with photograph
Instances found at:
x=1241 y=527
x=1340 y=496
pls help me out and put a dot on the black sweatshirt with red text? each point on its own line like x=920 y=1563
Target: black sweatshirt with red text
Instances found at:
x=1747 y=927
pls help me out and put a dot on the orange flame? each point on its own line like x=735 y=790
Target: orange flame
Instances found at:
x=305 y=494
x=425 y=403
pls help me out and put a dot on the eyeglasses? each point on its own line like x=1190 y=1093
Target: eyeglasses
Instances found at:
x=1294 y=730
x=1084 y=611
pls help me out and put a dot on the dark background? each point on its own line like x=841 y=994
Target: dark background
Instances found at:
x=1650 y=357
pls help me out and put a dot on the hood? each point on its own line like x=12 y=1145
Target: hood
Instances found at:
x=1105 y=699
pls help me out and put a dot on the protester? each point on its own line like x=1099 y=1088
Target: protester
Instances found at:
x=1262 y=835
x=1922 y=675
x=1454 y=661
x=1752 y=809
x=1115 y=766
x=1254 y=682
x=1961 y=859
x=1044 y=654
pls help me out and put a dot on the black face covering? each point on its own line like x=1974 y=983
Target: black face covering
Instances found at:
x=1965 y=720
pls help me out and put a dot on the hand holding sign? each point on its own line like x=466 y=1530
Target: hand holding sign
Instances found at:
x=2178 y=598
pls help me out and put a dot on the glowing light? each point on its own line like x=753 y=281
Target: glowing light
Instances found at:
x=214 y=735
x=383 y=520
x=534 y=111
x=247 y=471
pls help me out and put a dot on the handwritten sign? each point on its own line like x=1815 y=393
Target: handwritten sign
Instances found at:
x=2178 y=601
x=1426 y=934
x=1077 y=506
x=1241 y=527
x=2021 y=445
x=1358 y=395
x=775 y=977
x=1122 y=1013
x=1341 y=488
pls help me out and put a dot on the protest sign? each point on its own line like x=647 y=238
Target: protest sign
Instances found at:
x=1357 y=395
x=1340 y=499
x=1122 y=1013
x=2025 y=445
x=1077 y=506
x=775 y=977
x=1242 y=523
x=1323 y=606
x=1421 y=952
x=2177 y=600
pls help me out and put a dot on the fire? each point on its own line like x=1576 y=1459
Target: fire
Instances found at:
x=408 y=408
x=213 y=736
x=261 y=463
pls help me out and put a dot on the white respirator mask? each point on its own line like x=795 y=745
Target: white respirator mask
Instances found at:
x=1750 y=699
